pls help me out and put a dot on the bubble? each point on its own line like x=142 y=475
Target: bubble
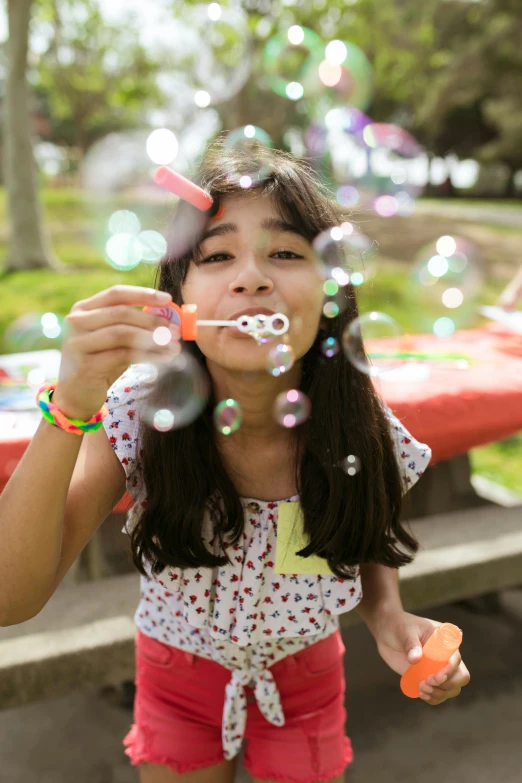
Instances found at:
x=162 y=146
x=227 y=416
x=347 y=251
x=378 y=166
x=351 y=465
x=291 y=62
x=251 y=140
x=261 y=332
x=330 y=347
x=370 y=344
x=213 y=51
x=35 y=332
x=123 y=251
x=291 y=408
x=179 y=394
x=124 y=222
x=350 y=72
x=280 y=359
x=331 y=310
x=153 y=246
x=202 y=99
x=446 y=277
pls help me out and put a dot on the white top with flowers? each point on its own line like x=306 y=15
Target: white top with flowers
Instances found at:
x=243 y=615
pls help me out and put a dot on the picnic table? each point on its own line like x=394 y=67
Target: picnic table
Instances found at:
x=451 y=409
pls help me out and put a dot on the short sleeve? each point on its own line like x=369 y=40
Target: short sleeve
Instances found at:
x=412 y=456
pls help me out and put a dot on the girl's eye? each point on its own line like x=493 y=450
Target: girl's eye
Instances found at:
x=216 y=257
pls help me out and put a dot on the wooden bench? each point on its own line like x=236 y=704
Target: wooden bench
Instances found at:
x=85 y=634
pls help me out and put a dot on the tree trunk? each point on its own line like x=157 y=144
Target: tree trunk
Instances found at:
x=28 y=247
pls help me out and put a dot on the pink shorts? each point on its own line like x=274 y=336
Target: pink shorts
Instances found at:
x=178 y=712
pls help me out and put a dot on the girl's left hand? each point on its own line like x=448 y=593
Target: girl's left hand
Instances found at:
x=400 y=637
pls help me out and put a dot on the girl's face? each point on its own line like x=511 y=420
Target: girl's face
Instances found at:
x=251 y=259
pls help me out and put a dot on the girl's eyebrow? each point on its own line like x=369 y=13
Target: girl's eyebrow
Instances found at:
x=275 y=225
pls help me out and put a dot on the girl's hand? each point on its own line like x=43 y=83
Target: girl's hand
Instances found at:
x=105 y=334
x=400 y=637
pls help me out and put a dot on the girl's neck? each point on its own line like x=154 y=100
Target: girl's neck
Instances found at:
x=256 y=393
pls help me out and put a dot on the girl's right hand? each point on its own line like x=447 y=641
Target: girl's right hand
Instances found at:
x=106 y=333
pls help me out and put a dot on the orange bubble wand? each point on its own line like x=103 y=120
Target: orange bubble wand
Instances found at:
x=188 y=191
x=443 y=642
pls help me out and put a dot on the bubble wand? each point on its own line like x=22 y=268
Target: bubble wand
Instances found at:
x=186 y=318
x=188 y=191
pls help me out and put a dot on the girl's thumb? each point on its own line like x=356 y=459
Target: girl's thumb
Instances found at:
x=414 y=651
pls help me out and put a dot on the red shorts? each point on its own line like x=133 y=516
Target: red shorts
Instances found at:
x=178 y=712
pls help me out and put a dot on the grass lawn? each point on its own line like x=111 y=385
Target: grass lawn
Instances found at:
x=78 y=231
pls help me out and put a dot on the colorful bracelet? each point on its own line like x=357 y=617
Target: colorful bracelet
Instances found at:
x=55 y=416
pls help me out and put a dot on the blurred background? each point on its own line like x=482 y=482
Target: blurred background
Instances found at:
x=411 y=113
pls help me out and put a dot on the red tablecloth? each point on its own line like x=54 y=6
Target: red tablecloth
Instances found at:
x=452 y=410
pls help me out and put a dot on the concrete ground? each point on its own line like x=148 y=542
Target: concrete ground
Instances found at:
x=471 y=739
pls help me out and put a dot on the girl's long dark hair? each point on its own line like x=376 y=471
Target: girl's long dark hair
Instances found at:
x=350 y=519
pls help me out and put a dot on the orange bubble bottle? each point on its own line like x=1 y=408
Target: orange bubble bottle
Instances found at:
x=437 y=651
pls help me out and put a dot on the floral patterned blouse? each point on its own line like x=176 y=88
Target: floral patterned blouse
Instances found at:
x=243 y=615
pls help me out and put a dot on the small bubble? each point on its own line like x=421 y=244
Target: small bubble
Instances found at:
x=351 y=465
x=280 y=359
x=291 y=408
x=330 y=347
x=227 y=416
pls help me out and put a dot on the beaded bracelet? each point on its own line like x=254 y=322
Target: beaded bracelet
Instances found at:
x=55 y=416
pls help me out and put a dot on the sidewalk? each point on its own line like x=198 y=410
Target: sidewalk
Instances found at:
x=474 y=738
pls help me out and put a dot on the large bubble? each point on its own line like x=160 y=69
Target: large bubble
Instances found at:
x=379 y=166
x=291 y=61
x=370 y=344
x=344 y=255
x=347 y=70
x=445 y=279
x=179 y=393
x=252 y=141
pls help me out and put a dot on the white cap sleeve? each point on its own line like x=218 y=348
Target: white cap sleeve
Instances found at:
x=412 y=456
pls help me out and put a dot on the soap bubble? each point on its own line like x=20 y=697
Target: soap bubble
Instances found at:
x=251 y=140
x=379 y=166
x=153 y=246
x=212 y=53
x=179 y=394
x=261 y=332
x=330 y=347
x=344 y=254
x=35 y=332
x=280 y=359
x=123 y=251
x=347 y=70
x=124 y=221
x=291 y=61
x=291 y=408
x=370 y=344
x=331 y=309
x=351 y=465
x=445 y=278
x=227 y=416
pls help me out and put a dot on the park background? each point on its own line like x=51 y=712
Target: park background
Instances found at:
x=100 y=75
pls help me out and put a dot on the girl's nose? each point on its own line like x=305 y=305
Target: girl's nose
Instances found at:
x=250 y=278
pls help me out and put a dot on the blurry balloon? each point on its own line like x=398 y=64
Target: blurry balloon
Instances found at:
x=179 y=394
x=291 y=408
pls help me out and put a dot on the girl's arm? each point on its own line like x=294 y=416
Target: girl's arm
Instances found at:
x=380 y=586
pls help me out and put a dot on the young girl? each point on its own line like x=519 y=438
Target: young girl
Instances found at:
x=229 y=644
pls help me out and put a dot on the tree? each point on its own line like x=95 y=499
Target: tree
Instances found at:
x=95 y=77
x=28 y=246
